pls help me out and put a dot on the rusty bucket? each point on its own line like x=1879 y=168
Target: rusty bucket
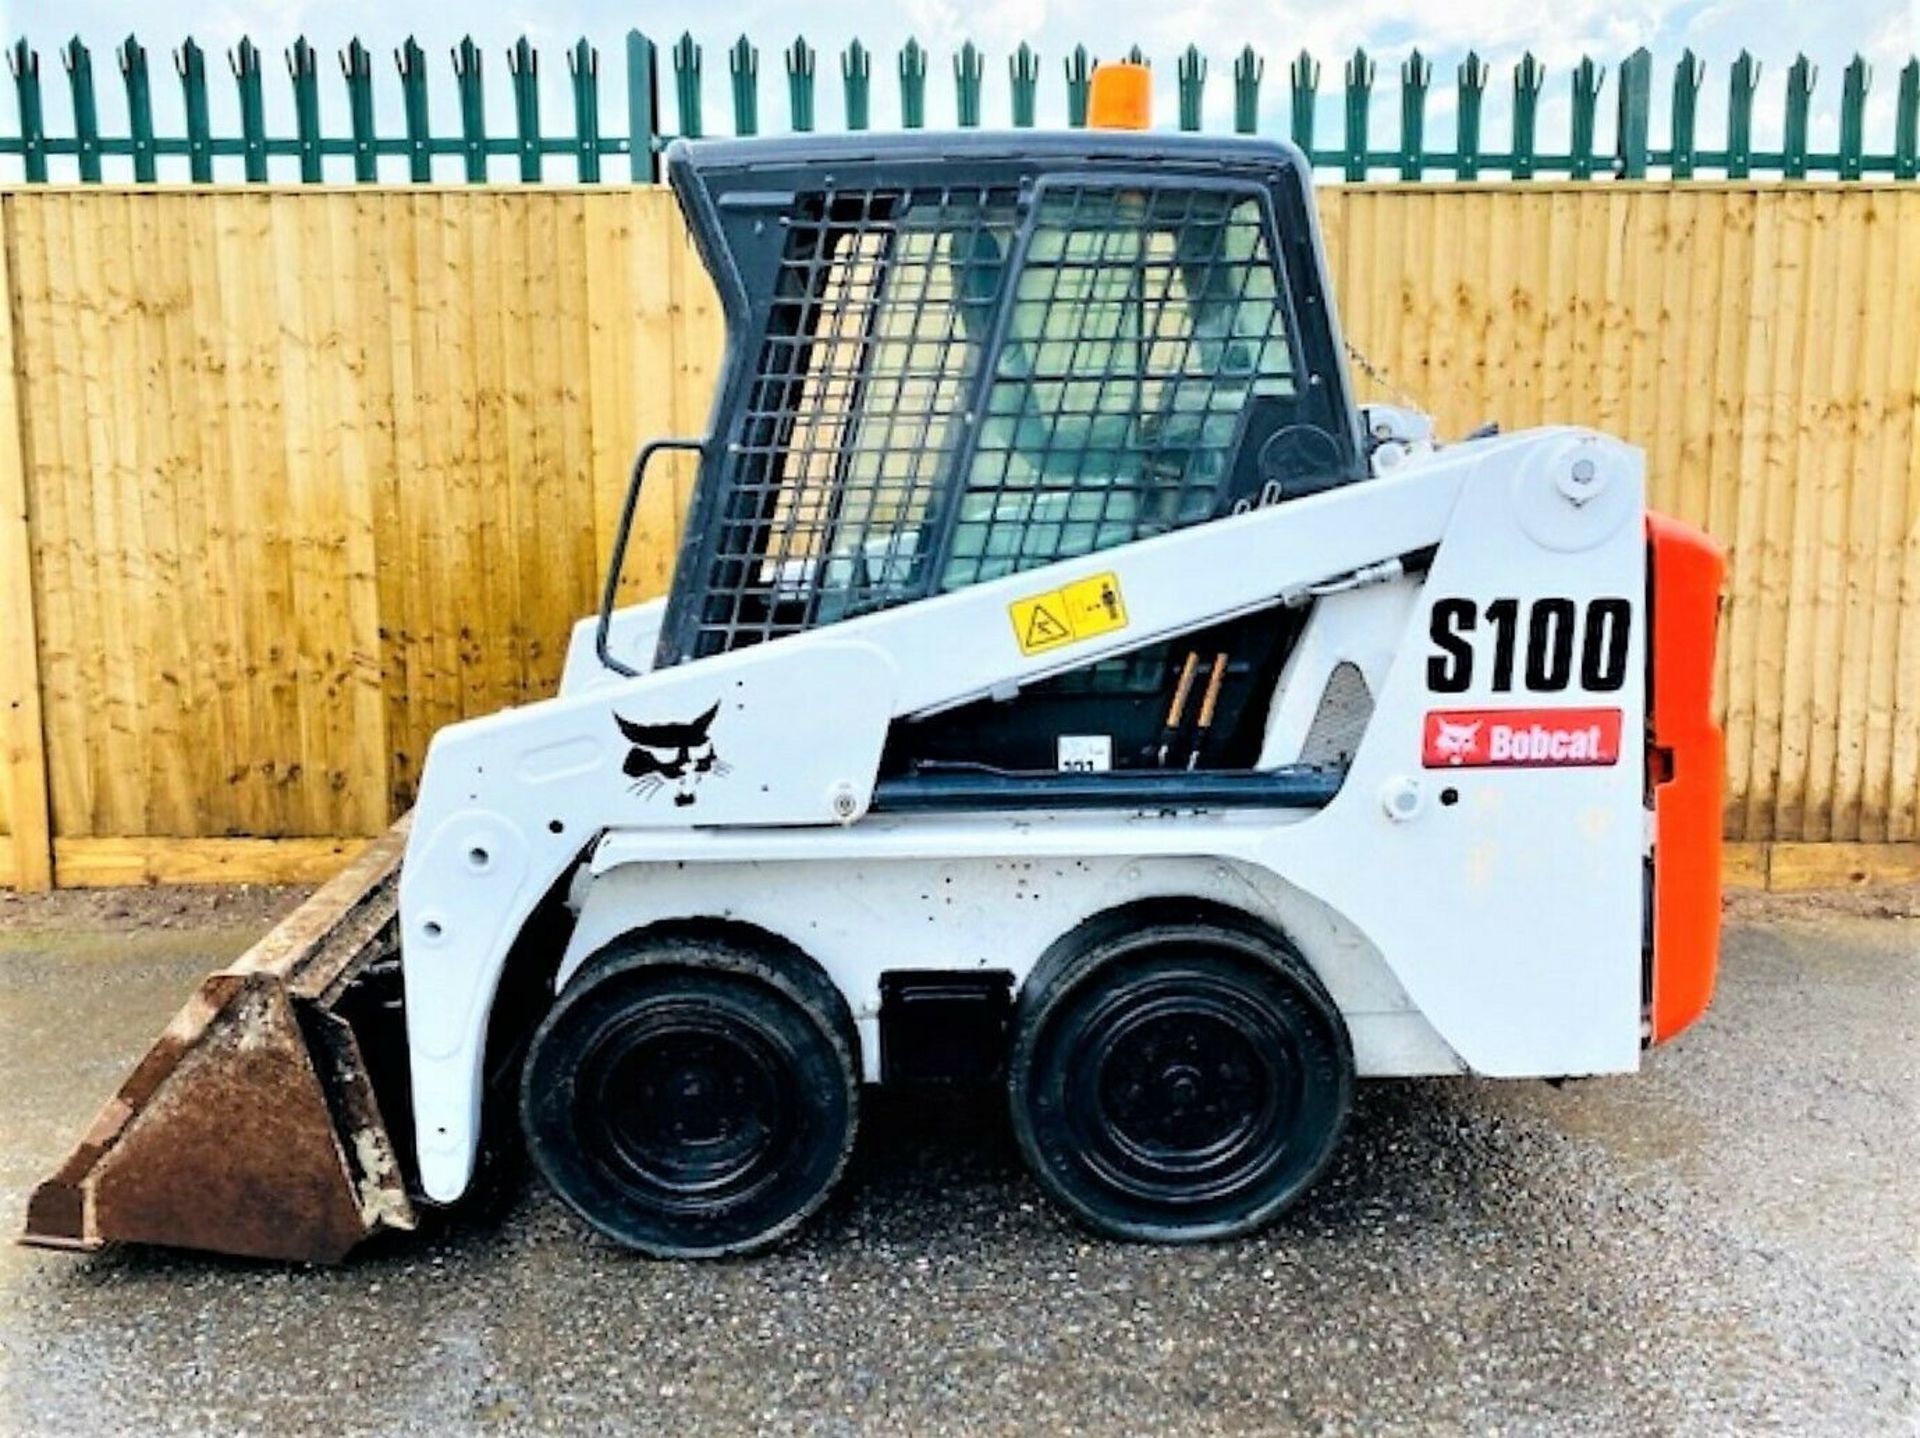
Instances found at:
x=252 y=1126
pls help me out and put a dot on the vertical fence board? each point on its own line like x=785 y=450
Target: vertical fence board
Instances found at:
x=1846 y=559
x=1774 y=675
x=170 y=708
x=403 y=667
x=1492 y=243
x=1721 y=468
x=118 y=750
x=172 y=247
x=1903 y=813
x=616 y=232
x=510 y=260
x=24 y=810
x=364 y=454
x=1811 y=476
x=1748 y=605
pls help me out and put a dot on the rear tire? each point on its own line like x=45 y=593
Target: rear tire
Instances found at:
x=693 y=1099
x=1178 y=1082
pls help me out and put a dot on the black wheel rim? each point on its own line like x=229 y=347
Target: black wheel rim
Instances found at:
x=687 y=1108
x=1180 y=1091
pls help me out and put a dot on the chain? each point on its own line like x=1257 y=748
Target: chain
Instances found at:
x=1379 y=377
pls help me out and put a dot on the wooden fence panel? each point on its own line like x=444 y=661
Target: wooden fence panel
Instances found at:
x=309 y=473
x=1745 y=337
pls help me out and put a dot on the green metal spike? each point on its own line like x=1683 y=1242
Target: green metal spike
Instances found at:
x=1741 y=86
x=583 y=67
x=411 y=61
x=356 y=67
x=1248 y=68
x=800 y=67
x=969 y=73
x=743 y=69
x=1854 y=84
x=856 y=77
x=78 y=60
x=1472 y=79
x=1023 y=69
x=1636 y=106
x=1079 y=86
x=1191 y=71
x=24 y=61
x=190 y=61
x=1360 y=77
x=1529 y=76
x=473 y=109
x=303 y=67
x=1414 y=77
x=523 y=70
x=643 y=109
x=913 y=86
x=1801 y=76
x=1687 y=76
x=132 y=56
x=686 y=84
x=1303 y=81
x=1587 y=80
x=244 y=61
x=1906 y=124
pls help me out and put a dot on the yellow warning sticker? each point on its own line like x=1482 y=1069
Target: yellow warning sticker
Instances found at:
x=1040 y=623
x=1094 y=607
x=1081 y=610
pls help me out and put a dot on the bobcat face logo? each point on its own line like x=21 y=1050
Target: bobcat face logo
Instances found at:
x=674 y=755
x=1456 y=743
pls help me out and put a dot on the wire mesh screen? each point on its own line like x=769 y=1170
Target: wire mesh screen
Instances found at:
x=1142 y=322
x=881 y=313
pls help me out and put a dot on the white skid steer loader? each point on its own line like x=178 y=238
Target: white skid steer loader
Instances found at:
x=1064 y=685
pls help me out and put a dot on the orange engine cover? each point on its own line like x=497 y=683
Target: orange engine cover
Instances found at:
x=1687 y=756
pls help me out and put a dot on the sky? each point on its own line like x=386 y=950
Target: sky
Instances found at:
x=1558 y=32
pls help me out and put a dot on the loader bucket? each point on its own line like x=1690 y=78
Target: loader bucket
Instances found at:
x=251 y=1127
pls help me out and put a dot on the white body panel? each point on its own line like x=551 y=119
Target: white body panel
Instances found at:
x=631 y=639
x=920 y=893
x=1500 y=932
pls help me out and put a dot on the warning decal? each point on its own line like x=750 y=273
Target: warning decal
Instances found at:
x=1081 y=610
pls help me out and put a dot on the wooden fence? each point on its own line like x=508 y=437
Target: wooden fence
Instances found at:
x=290 y=478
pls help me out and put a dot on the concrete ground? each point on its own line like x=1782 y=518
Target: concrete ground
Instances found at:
x=1724 y=1243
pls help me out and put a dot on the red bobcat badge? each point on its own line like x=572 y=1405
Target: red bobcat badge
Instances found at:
x=1521 y=738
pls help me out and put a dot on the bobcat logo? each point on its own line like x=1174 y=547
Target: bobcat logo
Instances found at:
x=1456 y=743
x=676 y=755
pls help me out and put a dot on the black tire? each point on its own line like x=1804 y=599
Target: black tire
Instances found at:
x=759 y=1051
x=1178 y=1082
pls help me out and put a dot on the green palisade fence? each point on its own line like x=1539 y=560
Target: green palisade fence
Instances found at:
x=336 y=129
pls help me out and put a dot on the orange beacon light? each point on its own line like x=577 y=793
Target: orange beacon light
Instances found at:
x=1121 y=97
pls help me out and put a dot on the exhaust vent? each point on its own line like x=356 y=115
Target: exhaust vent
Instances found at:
x=1346 y=707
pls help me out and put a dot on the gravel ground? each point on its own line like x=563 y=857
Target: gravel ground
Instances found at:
x=1724 y=1243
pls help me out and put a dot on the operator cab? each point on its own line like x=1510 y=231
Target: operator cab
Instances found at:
x=955 y=358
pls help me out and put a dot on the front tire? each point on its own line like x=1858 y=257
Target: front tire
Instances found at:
x=1178 y=1082
x=693 y=1099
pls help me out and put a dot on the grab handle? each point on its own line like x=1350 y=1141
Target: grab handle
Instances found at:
x=621 y=535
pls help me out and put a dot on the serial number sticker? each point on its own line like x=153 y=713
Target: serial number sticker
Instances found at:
x=1086 y=753
x=1085 y=609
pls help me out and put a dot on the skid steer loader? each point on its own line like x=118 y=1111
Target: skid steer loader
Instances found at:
x=1064 y=685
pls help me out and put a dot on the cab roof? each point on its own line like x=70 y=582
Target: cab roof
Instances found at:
x=998 y=149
